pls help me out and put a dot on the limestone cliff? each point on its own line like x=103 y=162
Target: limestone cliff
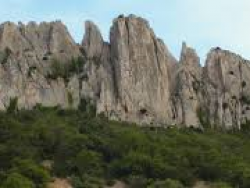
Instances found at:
x=132 y=78
x=27 y=54
x=141 y=72
x=187 y=95
x=227 y=83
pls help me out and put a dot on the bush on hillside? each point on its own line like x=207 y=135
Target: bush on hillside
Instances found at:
x=91 y=149
x=15 y=180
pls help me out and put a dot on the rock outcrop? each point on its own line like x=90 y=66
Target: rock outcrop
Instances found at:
x=141 y=72
x=27 y=54
x=98 y=81
x=227 y=81
x=187 y=95
x=128 y=79
x=132 y=78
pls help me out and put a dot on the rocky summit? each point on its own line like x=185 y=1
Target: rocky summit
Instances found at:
x=132 y=78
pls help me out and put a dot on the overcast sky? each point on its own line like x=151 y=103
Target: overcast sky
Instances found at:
x=201 y=23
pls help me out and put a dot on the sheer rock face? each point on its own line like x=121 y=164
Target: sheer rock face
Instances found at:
x=133 y=78
x=141 y=72
x=26 y=55
x=98 y=84
x=188 y=88
x=43 y=40
x=92 y=43
x=227 y=81
x=128 y=79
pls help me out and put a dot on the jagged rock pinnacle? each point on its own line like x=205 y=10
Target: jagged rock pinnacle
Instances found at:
x=132 y=78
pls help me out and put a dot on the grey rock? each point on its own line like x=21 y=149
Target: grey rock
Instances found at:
x=141 y=72
x=227 y=78
x=188 y=89
x=133 y=78
x=27 y=53
x=93 y=41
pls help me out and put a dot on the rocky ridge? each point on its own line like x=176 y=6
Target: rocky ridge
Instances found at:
x=132 y=78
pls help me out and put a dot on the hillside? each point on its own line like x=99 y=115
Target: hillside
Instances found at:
x=88 y=151
x=123 y=113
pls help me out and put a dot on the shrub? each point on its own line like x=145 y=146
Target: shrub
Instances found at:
x=76 y=65
x=66 y=69
x=220 y=185
x=203 y=117
x=225 y=106
x=13 y=105
x=88 y=162
x=58 y=70
x=29 y=169
x=86 y=106
x=16 y=180
x=243 y=84
x=87 y=181
x=245 y=99
x=70 y=99
x=197 y=85
x=31 y=70
x=166 y=183
x=91 y=149
x=4 y=56
x=137 y=181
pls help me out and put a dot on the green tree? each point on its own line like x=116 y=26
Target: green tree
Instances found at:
x=88 y=162
x=12 y=105
x=169 y=183
x=220 y=185
x=16 y=180
x=31 y=170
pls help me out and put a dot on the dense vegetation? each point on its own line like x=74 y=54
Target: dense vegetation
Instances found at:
x=92 y=151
